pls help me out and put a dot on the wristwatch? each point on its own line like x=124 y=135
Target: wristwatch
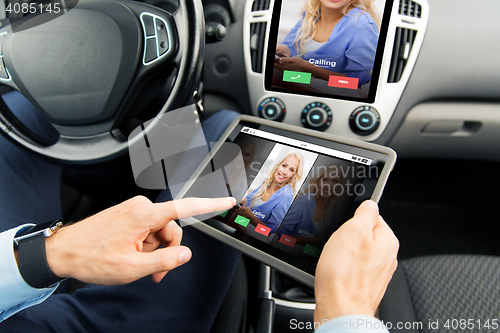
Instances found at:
x=31 y=256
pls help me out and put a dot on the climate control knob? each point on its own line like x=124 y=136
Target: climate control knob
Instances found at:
x=272 y=108
x=364 y=120
x=317 y=116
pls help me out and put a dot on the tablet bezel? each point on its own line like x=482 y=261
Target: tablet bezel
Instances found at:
x=254 y=248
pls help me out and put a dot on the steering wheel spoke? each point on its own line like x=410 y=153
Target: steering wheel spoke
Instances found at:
x=160 y=40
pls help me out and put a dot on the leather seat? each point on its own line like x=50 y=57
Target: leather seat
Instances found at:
x=439 y=291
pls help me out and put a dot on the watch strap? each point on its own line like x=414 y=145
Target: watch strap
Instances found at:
x=32 y=262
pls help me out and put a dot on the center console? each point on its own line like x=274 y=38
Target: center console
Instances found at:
x=362 y=112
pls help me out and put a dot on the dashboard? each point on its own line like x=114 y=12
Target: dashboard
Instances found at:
x=406 y=29
x=437 y=93
x=437 y=89
x=344 y=116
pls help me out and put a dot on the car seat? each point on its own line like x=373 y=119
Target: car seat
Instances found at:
x=445 y=293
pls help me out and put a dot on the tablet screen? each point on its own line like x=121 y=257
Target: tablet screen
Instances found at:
x=300 y=189
x=327 y=48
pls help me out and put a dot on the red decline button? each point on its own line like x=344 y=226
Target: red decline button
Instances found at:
x=262 y=229
x=343 y=82
x=290 y=241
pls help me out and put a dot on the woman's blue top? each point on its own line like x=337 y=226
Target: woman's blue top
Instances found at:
x=350 y=50
x=272 y=211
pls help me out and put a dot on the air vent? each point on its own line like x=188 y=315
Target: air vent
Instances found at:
x=260 y=5
x=403 y=43
x=257 y=38
x=410 y=8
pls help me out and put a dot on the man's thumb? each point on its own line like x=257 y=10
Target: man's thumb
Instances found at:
x=164 y=259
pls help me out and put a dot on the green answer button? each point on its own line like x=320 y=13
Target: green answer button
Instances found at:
x=223 y=214
x=297 y=77
x=312 y=251
x=241 y=220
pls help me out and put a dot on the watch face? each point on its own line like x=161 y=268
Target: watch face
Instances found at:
x=56 y=225
x=47 y=229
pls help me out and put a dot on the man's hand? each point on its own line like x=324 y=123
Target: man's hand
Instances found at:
x=355 y=266
x=122 y=244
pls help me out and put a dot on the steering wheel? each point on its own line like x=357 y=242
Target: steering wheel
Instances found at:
x=88 y=71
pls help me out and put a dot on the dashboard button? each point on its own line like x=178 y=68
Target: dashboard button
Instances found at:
x=163 y=42
x=317 y=116
x=272 y=108
x=364 y=120
x=149 y=25
x=150 y=52
x=271 y=111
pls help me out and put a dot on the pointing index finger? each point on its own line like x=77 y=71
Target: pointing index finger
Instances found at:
x=183 y=208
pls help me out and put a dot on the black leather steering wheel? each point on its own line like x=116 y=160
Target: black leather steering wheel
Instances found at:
x=87 y=70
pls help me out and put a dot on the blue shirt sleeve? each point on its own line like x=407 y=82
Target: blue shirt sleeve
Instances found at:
x=279 y=211
x=251 y=194
x=360 y=52
x=15 y=294
x=353 y=324
x=290 y=38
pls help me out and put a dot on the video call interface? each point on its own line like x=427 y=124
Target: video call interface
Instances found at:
x=299 y=193
x=345 y=65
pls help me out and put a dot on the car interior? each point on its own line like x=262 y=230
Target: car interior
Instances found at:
x=437 y=106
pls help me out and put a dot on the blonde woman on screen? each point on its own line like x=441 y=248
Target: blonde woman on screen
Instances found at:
x=332 y=37
x=269 y=202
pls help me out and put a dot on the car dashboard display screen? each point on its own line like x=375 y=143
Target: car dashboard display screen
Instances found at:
x=327 y=48
x=299 y=191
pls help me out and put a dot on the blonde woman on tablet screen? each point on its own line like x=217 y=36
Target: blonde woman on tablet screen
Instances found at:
x=269 y=202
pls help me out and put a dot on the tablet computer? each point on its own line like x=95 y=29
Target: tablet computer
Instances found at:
x=298 y=187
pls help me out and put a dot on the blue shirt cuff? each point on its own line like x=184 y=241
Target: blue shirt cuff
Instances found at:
x=15 y=293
